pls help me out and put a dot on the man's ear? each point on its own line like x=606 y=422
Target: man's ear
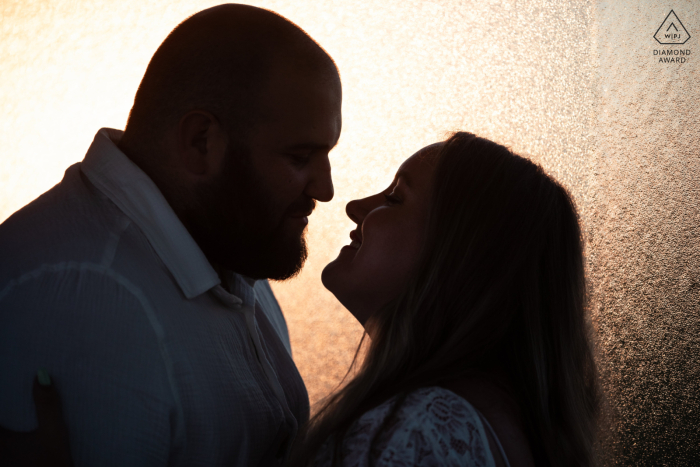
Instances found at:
x=201 y=143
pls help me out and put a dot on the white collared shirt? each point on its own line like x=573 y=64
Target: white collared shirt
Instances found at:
x=155 y=362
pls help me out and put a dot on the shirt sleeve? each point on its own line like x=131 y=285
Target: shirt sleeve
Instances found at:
x=95 y=338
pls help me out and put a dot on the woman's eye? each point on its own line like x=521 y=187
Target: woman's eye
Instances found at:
x=391 y=199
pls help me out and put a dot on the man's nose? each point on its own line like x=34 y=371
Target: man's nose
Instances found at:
x=320 y=186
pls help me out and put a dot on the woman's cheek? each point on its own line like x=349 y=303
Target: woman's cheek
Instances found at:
x=395 y=262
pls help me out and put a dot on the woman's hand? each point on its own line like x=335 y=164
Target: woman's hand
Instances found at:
x=48 y=445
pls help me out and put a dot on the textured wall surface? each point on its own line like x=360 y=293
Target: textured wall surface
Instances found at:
x=573 y=84
x=643 y=223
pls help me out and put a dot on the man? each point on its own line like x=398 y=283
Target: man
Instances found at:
x=140 y=281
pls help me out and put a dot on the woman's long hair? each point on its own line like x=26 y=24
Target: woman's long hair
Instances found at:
x=500 y=286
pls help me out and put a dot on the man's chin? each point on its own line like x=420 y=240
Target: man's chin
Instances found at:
x=285 y=273
x=278 y=262
x=290 y=267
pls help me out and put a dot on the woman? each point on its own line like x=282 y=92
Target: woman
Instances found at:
x=467 y=274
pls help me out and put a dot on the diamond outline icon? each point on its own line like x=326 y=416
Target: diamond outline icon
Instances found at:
x=679 y=22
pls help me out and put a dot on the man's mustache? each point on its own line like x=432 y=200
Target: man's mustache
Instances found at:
x=302 y=208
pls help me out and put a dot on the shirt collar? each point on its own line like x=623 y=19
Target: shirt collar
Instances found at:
x=242 y=287
x=114 y=174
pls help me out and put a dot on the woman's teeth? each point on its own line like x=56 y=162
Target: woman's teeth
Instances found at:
x=355 y=244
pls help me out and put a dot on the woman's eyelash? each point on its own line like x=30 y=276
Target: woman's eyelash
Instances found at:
x=391 y=199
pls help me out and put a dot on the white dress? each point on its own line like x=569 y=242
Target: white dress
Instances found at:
x=433 y=427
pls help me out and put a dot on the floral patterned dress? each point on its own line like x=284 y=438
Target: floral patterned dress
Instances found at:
x=433 y=427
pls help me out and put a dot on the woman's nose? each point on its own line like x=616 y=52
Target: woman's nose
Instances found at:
x=352 y=209
x=358 y=209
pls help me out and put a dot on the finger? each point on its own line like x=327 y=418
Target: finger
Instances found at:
x=19 y=449
x=48 y=404
x=51 y=431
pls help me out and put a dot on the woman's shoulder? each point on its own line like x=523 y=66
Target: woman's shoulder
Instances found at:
x=435 y=408
x=433 y=426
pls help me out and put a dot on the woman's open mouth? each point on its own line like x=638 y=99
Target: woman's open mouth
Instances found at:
x=356 y=238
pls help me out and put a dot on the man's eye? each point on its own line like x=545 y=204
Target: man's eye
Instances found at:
x=300 y=158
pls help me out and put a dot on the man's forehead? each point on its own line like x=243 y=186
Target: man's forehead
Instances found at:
x=300 y=125
x=299 y=89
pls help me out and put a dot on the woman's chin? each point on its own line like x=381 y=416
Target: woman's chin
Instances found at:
x=328 y=275
x=335 y=279
x=336 y=268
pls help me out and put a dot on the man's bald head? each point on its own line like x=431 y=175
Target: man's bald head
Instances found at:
x=220 y=60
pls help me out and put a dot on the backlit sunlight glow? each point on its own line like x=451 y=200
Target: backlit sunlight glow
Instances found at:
x=411 y=70
x=556 y=81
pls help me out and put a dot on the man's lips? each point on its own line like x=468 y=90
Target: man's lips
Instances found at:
x=306 y=213
x=303 y=214
x=302 y=209
x=301 y=217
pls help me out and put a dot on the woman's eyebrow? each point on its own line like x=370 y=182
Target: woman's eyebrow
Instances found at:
x=403 y=174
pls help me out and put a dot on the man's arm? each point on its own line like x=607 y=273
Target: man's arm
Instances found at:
x=48 y=445
x=93 y=336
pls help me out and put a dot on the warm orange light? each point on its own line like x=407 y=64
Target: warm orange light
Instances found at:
x=573 y=84
x=411 y=71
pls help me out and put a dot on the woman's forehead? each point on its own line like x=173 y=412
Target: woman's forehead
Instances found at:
x=428 y=154
x=432 y=148
x=419 y=167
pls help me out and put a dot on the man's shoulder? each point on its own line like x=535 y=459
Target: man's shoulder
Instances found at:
x=69 y=222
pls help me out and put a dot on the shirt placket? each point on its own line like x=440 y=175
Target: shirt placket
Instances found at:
x=235 y=303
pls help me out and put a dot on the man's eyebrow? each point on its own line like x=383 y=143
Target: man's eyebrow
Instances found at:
x=310 y=147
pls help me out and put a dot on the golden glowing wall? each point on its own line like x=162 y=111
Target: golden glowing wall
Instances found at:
x=643 y=225
x=575 y=85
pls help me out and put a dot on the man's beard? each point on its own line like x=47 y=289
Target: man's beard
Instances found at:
x=239 y=227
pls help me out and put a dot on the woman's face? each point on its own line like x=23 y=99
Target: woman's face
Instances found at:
x=386 y=244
